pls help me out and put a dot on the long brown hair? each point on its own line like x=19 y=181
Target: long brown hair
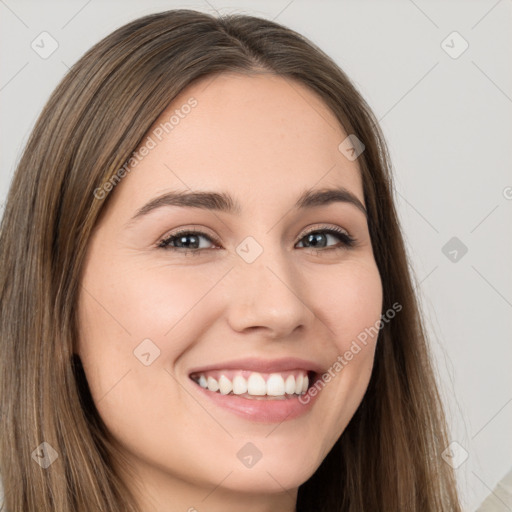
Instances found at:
x=389 y=456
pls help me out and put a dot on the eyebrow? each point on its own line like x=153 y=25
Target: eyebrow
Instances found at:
x=224 y=202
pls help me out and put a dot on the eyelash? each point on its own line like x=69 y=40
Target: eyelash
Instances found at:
x=347 y=241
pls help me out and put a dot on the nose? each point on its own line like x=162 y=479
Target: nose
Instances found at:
x=268 y=295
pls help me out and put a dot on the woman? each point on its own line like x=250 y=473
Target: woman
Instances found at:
x=206 y=303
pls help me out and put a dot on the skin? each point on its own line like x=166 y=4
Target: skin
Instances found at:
x=264 y=140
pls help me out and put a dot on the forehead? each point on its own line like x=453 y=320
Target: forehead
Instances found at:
x=261 y=137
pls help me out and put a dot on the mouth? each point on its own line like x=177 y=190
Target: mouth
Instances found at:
x=259 y=390
x=253 y=385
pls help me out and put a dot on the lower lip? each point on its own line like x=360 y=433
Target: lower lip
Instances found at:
x=265 y=410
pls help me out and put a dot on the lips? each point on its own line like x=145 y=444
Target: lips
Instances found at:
x=269 y=397
x=251 y=378
x=262 y=365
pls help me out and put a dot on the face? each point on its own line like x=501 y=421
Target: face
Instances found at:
x=199 y=323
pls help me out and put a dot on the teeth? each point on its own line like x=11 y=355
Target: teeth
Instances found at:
x=298 y=384
x=305 y=384
x=239 y=385
x=276 y=384
x=213 y=385
x=289 y=385
x=203 y=382
x=225 y=385
x=256 y=385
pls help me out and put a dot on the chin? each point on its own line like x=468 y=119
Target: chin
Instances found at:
x=272 y=473
x=266 y=481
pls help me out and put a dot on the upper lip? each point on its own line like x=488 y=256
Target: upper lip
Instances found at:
x=262 y=365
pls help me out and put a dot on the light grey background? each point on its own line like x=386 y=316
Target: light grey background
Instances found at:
x=448 y=124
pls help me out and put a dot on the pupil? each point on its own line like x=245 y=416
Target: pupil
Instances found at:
x=182 y=240
x=315 y=239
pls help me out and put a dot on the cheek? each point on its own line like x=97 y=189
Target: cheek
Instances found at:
x=349 y=302
x=349 y=305
x=130 y=315
x=123 y=306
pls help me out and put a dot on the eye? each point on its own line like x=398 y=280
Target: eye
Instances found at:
x=316 y=238
x=188 y=241
x=184 y=240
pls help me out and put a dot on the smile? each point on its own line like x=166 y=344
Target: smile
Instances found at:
x=254 y=385
x=256 y=389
